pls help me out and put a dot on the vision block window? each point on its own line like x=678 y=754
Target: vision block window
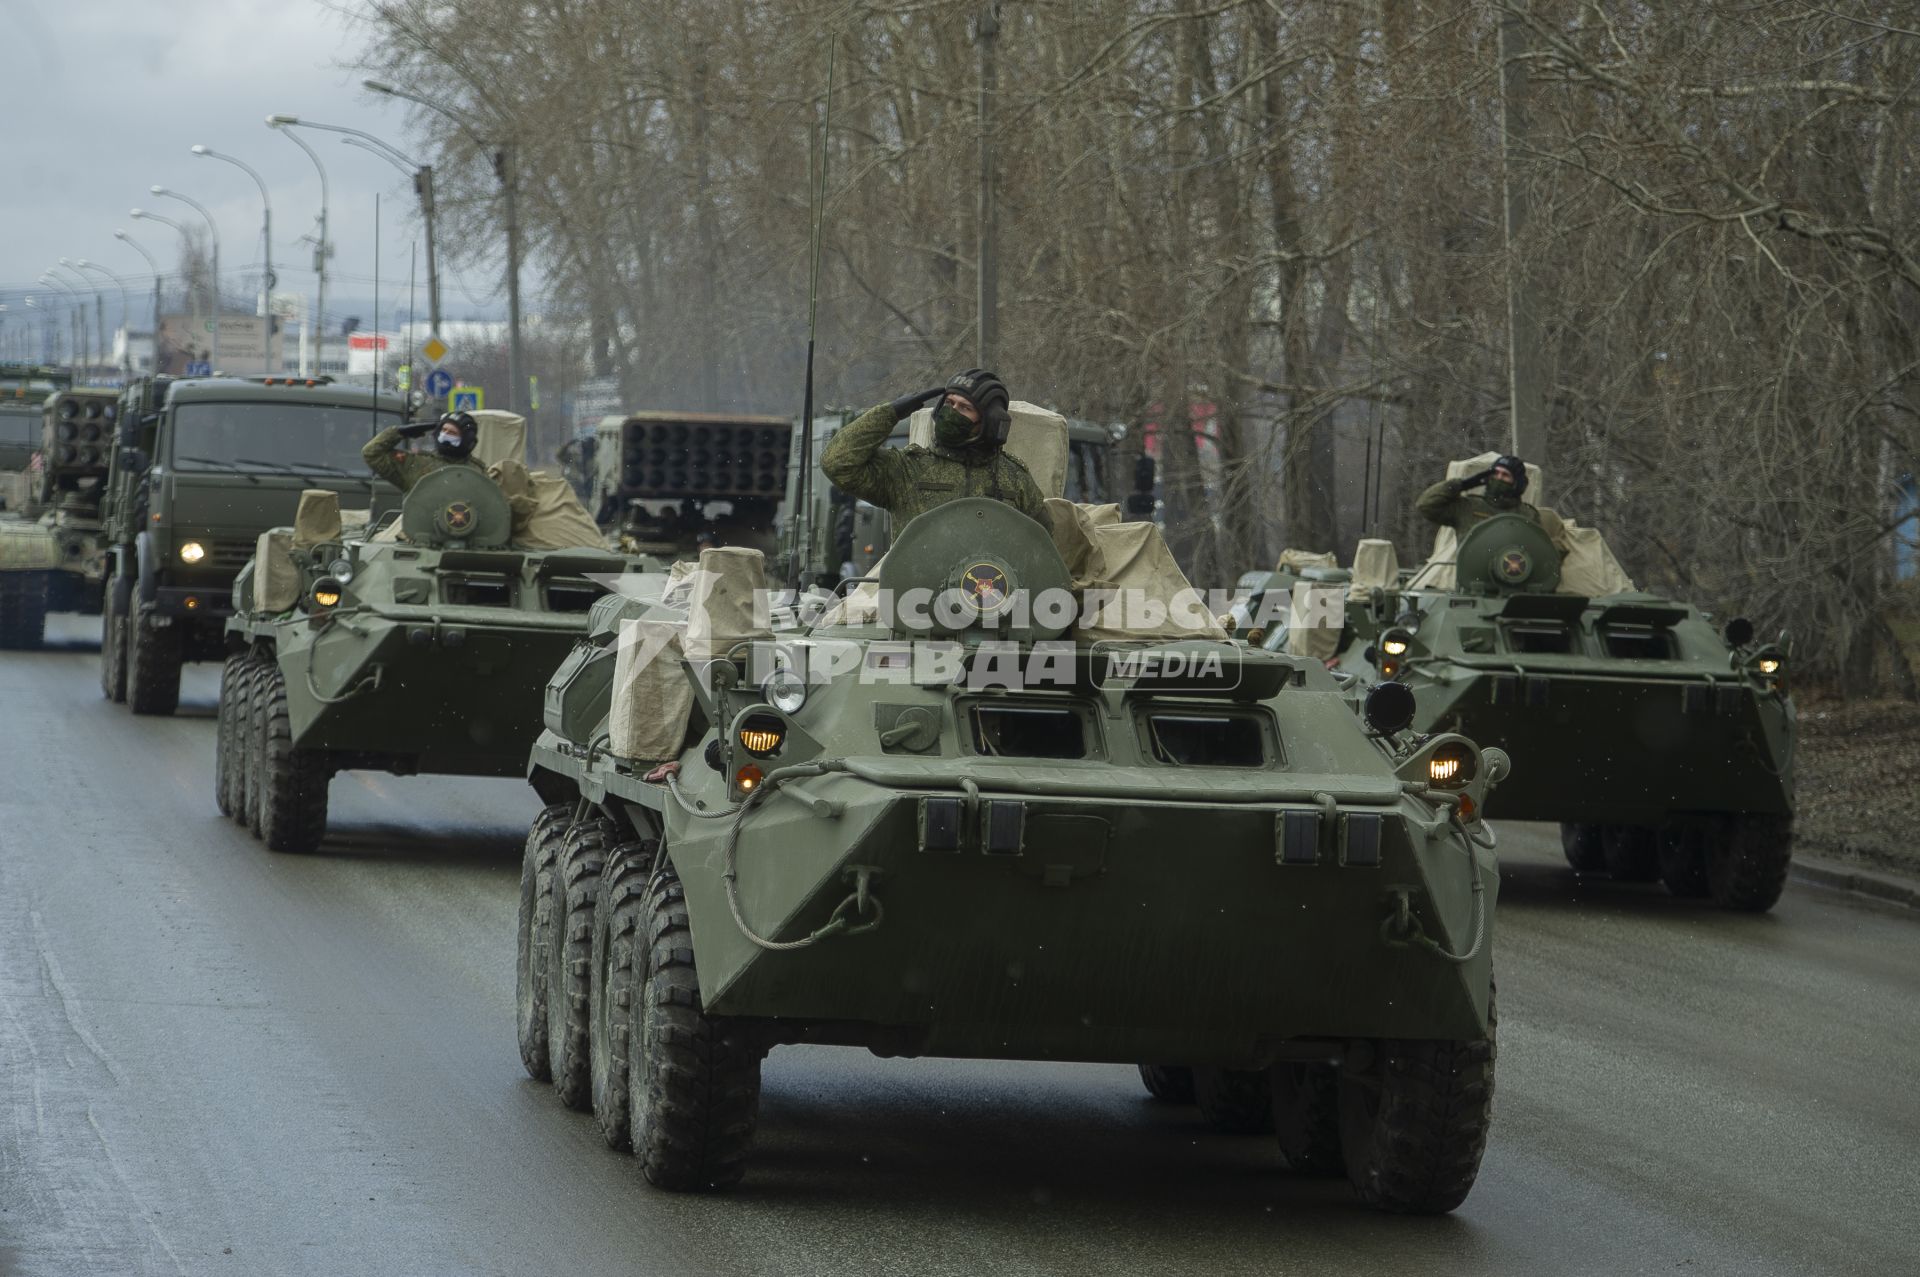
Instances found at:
x=1541 y=637
x=1638 y=642
x=477 y=589
x=1028 y=731
x=1206 y=740
x=572 y=594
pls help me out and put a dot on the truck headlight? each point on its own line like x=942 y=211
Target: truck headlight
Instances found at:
x=192 y=552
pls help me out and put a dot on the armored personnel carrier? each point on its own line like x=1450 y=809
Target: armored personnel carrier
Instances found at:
x=1661 y=745
x=958 y=827
x=423 y=647
x=51 y=557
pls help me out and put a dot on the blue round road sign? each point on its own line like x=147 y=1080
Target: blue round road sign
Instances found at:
x=439 y=382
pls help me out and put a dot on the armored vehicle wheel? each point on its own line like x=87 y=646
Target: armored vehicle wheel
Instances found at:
x=234 y=678
x=532 y=957
x=113 y=649
x=1683 y=861
x=576 y=887
x=293 y=781
x=1633 y=853
x=1306 y=1117
x=693 y=1079
x=617 y=918
x=1413 y=1122
x=1168 y=1083
x=223 y=733
x=1239 y=1102
x=1747 y=866
x=249 y=728
x=1583 y=848
x=23 y=611
x=153 y=667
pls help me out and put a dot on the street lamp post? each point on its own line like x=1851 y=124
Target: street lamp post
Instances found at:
x=76 y=316
x=266 y=249
x=134 y=244
x=213 y=229
x=186 y=239
x=506 y=170
x=126 y=315
x=99 y=308
x=323 y=249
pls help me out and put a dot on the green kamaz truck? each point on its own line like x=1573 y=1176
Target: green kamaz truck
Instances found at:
x=200 y=468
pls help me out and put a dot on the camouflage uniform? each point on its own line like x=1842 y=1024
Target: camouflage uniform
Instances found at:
x=1447 y=506
x=913 y=480
x=386 y=455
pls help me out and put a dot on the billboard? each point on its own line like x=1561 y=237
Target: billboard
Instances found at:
x=244 y=341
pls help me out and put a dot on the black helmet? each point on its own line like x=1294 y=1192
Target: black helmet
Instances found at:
x=469 y=435
x=1515 y=467
x=988 y=394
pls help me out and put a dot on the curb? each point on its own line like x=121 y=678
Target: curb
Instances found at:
x=1864 y=882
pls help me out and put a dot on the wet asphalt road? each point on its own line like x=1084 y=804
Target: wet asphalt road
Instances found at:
x=218 y=1060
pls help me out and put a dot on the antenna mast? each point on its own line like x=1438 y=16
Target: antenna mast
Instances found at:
x=817 y=199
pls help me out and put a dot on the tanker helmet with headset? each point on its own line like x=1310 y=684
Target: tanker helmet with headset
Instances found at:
x=988 y=394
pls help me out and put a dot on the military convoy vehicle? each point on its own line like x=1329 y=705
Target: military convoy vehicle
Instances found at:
x=1663 y=747
x=967 y=830
x=200 y=468
x=351 y=649
x=50 y=542
x=23 y=389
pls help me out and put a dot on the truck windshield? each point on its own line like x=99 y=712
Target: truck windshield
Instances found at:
x=297 y=437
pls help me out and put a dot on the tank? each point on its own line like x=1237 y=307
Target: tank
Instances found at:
x=1662 y=745
x=421 y=647
x=52 y=548
x=967 y=831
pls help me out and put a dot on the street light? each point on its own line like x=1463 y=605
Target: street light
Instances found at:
x=82 y=286
x=134 y=244
x=505 y=168
x=186 y=238
x=77 y=316
x=99 y=307
x=321 y=252
x=213 y=229
x=266 y=249
x=126 y=315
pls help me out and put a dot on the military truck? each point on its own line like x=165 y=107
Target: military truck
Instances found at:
x=202 y=467
x=966 y=830
x=1662 y=746
x=419 y=647
x=50 y=555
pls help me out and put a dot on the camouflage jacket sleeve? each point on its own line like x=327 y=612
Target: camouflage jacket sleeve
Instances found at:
x=1026 y=497
x=859 y=462
x=1441 y=504
x=382 y=455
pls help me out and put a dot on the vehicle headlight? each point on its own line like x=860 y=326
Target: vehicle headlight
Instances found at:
x=192 y=552
x=1768 y=665
x=1452 y=765
x=786 y=691
x=326 y=593
x=762 y=734
x=1396 y=642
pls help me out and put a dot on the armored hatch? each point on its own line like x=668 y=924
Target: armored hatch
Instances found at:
x=1507 y=552
x=1003 y=590
x=457 y=508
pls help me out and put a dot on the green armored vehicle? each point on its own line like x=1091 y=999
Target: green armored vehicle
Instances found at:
x=419 y=647
x=50 y=539
x=955 y=827
x=1663 y=747
x=203 y=466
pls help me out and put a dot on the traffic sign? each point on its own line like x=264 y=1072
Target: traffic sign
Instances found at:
x=435 y=350
x=439 y=382
x=199 y=368
x=403 y=376
x=466 y=399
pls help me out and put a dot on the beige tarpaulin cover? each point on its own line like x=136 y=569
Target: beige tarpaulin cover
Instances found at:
x=1375 y=563
x=1317 y=641
x=353 y=523
x=1036 y=436
x=317 y=520
x=546 y=513
x=503 y=437
x=276 y=581
x=651 y=696
x=1152 y=597
x=1300 y=560
x=731 y=580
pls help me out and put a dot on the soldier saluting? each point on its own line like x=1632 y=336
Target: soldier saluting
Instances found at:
x=967 y=459
x=1448 y=504
x=454 y=436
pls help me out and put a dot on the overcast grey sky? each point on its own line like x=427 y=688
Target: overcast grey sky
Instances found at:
x=104 y=98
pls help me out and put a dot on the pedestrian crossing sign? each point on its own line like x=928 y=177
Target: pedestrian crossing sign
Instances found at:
x=466 y=399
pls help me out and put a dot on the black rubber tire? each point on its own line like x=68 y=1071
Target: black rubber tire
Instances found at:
x=693 y=1079
x=234 y=678
x=113 y=650
x=23 y=611
x=1632 y=851
x=576 y=888
x=1168 y=1083
x=1237 y=1101
x=153 y=667
x=293 y=782
x=248 y=720
x=532 y=954
x=1747 y=866
x=1683 y=860
x=1306 y=1118
x=223 y=744
x=1582 y=847
x=1414 y=1128
x=618 y=917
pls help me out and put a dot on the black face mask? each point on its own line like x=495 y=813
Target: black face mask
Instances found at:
x=1503 y=492
x=951 y=429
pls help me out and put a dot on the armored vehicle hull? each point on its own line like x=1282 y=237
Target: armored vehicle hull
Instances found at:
x=1220 y=877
